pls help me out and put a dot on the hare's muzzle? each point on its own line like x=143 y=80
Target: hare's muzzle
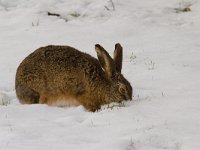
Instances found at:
x=128 y=97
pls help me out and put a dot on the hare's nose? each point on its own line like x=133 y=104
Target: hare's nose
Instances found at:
x=128 y=97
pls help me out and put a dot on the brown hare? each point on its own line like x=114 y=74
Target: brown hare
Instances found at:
x=64 y=76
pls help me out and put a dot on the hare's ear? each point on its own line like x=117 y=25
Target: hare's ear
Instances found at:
x=105 y=60
x=118 y=55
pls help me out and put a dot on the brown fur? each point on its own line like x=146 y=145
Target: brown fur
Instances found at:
x=54 y=74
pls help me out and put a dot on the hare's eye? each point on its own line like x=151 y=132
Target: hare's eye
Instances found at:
x=122 y=90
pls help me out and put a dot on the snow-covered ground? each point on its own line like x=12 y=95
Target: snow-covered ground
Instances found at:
x=161 y=60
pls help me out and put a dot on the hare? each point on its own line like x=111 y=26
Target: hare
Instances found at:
x=64 y=76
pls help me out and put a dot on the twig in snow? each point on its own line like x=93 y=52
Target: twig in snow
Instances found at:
x=36 y=24
x=57 y=15
x=53 y=14
x=186 y=9
x=113 y=6
x=131 y=146
x=183 y=7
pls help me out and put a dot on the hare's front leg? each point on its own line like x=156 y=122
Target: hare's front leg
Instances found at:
x=91 y=105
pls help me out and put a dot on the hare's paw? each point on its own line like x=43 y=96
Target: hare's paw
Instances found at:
x=92 y=107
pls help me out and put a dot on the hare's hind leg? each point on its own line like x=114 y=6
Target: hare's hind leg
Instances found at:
x=27 y=95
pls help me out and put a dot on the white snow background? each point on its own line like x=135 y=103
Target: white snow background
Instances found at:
x=161 y=60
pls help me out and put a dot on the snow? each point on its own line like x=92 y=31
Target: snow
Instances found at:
x=161 y=60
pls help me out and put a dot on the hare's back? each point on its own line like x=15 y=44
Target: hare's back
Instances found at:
x=67 y=59
x=55 y=61
x=51 y=65
x=52 y=55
